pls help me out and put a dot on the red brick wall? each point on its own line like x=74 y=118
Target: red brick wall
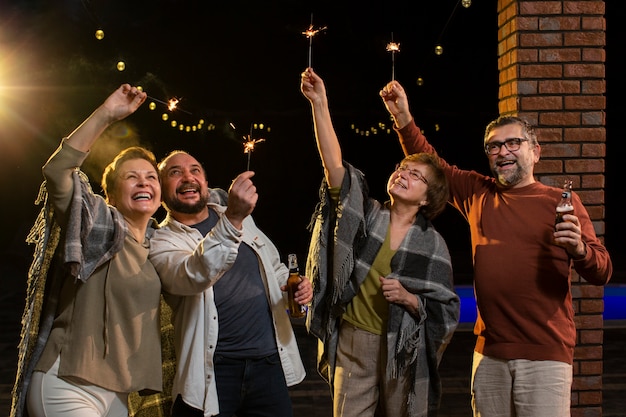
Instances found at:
x=551 y=61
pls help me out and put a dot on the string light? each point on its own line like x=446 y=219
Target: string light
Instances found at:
x=310 y=32
x=439 y=46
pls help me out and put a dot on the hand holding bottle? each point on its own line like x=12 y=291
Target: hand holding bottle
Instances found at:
x=299 y=289
x=567 y=231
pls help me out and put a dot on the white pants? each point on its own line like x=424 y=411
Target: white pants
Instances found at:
x=520 y=388
x=51 y=396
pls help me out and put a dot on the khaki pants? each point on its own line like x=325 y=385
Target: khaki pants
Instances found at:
x=361 y=385
x=520 y=388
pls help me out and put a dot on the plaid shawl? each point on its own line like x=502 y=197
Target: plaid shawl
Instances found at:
x=94 y=233
x=339 y=262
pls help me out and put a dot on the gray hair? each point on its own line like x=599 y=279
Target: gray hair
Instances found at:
x=527 y=129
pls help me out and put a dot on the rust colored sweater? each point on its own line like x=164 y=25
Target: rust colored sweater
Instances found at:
x=522 y=279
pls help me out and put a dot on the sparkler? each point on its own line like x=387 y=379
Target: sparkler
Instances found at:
x=248 y=147
x=393 y=47
x=309 y=33
x=249 y=144
x=172 y=104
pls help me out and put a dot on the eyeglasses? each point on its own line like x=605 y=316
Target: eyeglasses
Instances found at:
x=414 y=174
x=511 y=144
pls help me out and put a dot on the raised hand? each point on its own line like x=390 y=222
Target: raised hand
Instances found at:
x=312 y=86
x=123 y=102
x=120 y=104
x=242 y=198
x=397 y=104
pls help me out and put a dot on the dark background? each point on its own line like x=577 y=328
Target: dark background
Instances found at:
x=240 y=63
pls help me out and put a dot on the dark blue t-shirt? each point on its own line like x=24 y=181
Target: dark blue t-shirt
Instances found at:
x=245 y=320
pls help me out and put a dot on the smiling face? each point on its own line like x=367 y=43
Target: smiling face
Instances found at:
x=408 y=183
x=137 y=191
x=513 y=169
x=185 y=188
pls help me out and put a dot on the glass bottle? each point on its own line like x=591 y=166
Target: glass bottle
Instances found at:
x=296 y=311
x=565 y=206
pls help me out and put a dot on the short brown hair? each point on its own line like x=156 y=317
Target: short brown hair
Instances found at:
x=437 y=192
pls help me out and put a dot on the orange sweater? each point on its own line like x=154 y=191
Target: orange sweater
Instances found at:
x=522 y=278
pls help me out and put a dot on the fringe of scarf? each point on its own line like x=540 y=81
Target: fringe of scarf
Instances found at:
x=45 y=235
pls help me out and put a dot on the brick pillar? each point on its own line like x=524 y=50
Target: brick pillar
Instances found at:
x=551 y=62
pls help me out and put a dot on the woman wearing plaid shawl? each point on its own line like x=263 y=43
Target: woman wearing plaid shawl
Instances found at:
x=91 y=331
x=384 y=306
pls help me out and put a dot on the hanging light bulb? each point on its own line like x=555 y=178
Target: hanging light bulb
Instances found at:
x=99 y=34
x=466 y=3
x=121 y=66
x=438 y=49
x=420 y=81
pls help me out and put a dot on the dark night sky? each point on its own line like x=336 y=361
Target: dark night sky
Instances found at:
x=240 y=63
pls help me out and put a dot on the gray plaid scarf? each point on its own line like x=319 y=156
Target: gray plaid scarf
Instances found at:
x=94 y=233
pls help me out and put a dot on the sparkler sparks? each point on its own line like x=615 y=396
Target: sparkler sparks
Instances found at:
x=309 y=33
x=248 y=147
x=172 y=104
x=393 y=47
x=249 y=144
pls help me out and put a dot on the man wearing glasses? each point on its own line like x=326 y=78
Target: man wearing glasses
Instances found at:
x=525 y=329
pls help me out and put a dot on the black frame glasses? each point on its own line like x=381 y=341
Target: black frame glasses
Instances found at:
x=511 y=144
x=414 y=174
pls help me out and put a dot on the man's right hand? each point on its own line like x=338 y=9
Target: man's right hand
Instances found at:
x=242 y=198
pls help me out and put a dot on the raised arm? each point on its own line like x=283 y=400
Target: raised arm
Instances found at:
x=314 y=90
x=411 y=138
x=121 y=103
x=57 y=170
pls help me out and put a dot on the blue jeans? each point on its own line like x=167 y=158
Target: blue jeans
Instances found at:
x=246 y=388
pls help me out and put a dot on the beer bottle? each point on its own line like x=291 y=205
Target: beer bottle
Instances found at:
x=565 y=206
x=296 y=311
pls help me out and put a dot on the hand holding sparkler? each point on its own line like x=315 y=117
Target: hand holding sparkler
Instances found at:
x=124 y=101
x=397 y=104
x=242 y=199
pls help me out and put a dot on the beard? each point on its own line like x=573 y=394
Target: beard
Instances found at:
x=174 y=204
x=509 y=178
